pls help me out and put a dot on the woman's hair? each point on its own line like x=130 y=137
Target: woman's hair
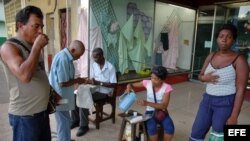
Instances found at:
x=160 y=71
x=230 y=27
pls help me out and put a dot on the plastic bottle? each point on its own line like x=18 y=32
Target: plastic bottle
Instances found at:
x=128 y=132
x=142 y=137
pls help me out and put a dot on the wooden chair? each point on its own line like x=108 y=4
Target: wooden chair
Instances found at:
x=100 y=114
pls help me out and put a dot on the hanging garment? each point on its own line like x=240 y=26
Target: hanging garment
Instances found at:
x=125 y=43
x=95 y=40
x=84 y=97
x=82 y=62
x=164 y=40
x=137 y=54
x=169 y=57
x=149 y=44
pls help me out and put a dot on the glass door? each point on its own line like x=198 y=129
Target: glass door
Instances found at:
x=219 y=20
x=203 y=38
x=210 y=18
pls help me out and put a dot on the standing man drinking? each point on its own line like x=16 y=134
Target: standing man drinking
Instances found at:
x=26 y=77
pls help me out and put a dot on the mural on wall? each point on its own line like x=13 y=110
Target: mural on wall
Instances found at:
x=129 y=46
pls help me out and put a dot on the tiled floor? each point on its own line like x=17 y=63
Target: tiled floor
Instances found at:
x=183 y=107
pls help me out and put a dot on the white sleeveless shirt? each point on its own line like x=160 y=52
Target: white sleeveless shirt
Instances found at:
x=165 y=88
x=226 y=82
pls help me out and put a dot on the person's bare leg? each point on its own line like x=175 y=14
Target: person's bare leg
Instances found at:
x=168 y=137
x=154 y=138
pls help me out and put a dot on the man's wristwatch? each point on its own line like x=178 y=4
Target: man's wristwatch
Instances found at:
x=101 y=83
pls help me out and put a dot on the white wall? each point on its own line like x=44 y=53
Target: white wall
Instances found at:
x=186 y=30
x=185 y=51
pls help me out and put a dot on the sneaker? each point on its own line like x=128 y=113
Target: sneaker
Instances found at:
x=82 y=130
x=74 y=125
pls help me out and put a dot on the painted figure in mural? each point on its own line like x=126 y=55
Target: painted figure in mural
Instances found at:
x=62 y=79
x=158 y=97
x=26 y=77
x=225 y=73
x=103 y=74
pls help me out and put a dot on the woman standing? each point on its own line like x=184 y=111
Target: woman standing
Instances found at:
x=225 y=73
x=158 y=96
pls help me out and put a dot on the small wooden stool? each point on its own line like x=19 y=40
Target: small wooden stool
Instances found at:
x=140 y=124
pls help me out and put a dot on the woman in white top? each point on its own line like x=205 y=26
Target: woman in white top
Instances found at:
x=156 y=86
x=225 y=73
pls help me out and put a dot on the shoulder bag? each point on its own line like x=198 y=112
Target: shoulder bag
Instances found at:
x=159 y=114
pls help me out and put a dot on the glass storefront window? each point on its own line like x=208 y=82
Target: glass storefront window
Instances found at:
x=138 y=34
x=173 y=37
x=124 y=30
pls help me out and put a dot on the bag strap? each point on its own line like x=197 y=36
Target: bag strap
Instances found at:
x=154 y=94
x=20 y=43
x=155 y=97
x=24 y=46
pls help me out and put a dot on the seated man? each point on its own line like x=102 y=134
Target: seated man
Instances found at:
x=102 y=73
